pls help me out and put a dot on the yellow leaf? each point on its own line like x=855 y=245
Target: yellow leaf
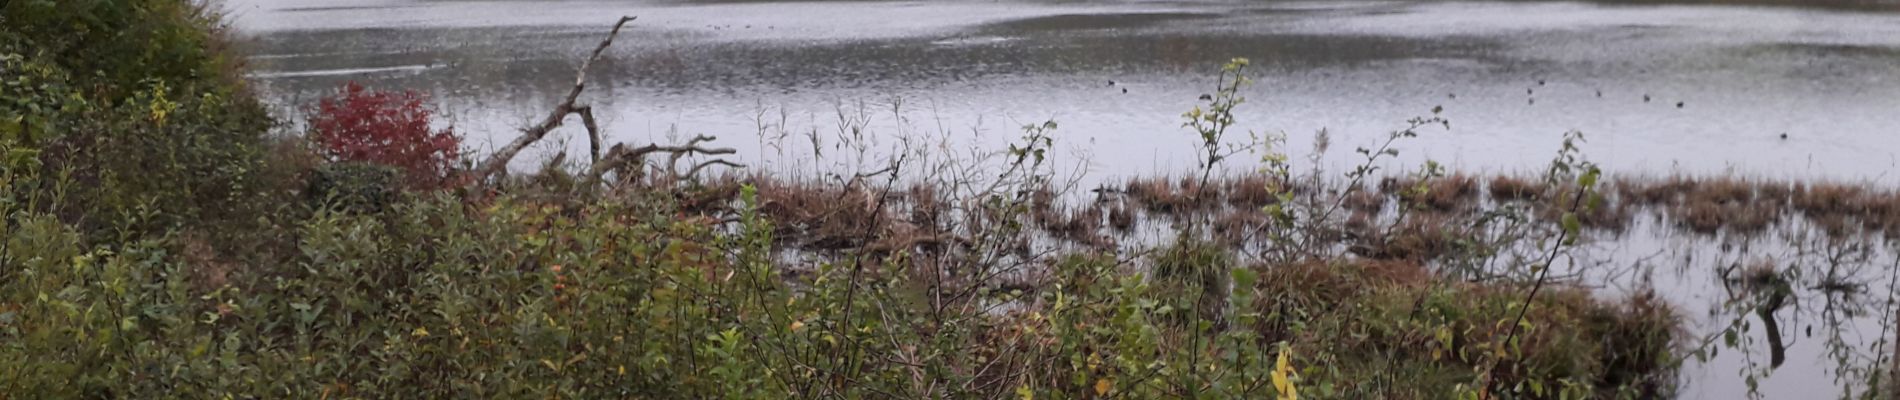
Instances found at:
x=1022 y=392
x=796 y=325
x=1282 y=378
x=1102 y=386
x=420 y=332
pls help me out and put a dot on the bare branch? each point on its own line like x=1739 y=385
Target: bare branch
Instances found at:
x=593 y=131
x=502 y=156
x=620 y=158
x=690 y=173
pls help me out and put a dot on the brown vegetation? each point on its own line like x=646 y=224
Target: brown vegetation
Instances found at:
x=1120 y=217
x=1421 y=238
x=1515 y=188
x=818 y=215
x=1159 y=195
x=1236 y=226
x=1082 y=226
x=1251 y=191
x=1751 y=206
x=1442 y=194
x=1364 y=201
x=1187 y=195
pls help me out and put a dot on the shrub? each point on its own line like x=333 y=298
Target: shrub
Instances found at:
x=134 y=107
x=387 y=128
x=1197 y=272
x=112 y=46
x=352 y=186
x=164 y=158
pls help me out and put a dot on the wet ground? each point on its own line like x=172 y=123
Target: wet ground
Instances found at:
x=1656 y=88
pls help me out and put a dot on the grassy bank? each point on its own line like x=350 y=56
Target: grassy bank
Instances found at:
x=160 y=243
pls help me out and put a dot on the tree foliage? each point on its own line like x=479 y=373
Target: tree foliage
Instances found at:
x=390 y=128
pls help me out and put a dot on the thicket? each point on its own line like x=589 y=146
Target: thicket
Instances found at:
x=127 y=117
x=152 y=249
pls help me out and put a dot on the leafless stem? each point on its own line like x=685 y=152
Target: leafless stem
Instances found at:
x=629 y=161
x=690 y=173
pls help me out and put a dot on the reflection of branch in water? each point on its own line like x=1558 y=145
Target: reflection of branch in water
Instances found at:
x=1777 y=296
x=1889 y=327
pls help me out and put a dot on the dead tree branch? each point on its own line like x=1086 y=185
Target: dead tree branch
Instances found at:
x=628 y=162
x=593 y=131
x=499 y=161
x=690 y=173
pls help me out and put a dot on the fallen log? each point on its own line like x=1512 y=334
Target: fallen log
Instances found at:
x=629 y=162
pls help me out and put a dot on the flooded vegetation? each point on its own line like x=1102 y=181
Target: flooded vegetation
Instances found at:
x=766 y=199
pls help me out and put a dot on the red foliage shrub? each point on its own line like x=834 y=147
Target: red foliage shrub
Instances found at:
x=388 y=128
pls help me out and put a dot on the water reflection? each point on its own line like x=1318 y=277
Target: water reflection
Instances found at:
x=1780 y=311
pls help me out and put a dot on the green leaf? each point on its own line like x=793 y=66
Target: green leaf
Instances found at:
x=1244 y=278
x=1571 y=224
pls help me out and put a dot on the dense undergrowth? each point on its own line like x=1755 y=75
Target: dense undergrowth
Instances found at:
x=159 y=243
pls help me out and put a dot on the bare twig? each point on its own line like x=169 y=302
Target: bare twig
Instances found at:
x=694 y=172
x=628 y=161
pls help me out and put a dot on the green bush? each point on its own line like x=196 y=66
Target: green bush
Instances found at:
x=435 y=298
x=360 y=187
x=129 y=112
x=111 y=47
x=1194 y=273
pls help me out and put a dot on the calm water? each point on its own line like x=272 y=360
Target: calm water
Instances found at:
x=1657 y=89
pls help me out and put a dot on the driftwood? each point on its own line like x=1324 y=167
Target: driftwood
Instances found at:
x=627 y=161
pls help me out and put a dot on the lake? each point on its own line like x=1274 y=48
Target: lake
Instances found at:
x=1785 y=92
